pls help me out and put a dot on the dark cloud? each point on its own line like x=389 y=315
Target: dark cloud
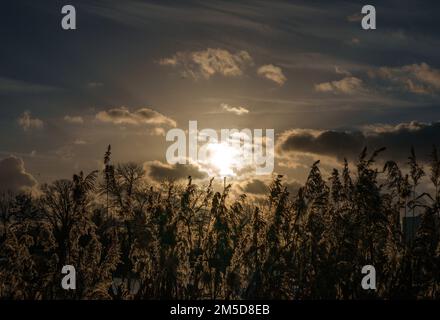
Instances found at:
x=293 y=187
x=13 y=176
x=333 y=143
x=160 y=171
x=397 y=139
x=261 y=187
x=255 y=186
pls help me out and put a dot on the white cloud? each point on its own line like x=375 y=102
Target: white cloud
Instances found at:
x=27 y=122
x=209 y=62
x=272 y=73
x=237 y=110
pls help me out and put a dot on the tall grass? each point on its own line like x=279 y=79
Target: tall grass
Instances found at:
x=130 y=240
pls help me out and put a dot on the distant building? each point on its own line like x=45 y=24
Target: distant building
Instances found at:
x=410 y=226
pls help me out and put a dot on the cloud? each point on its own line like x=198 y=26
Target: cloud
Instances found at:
x=74 y=119
x=13 y=176
x=255 y=186
x=333 y=143
x=347 y=85
x=93 y=85
x=273 y=73
x=207 y=63
x=157 y=132
x=161 y=171
x=340 y=70
x=293 y=187
x=420 y=79
x=355 y=17
x=237 y=110
x=398 y=140
x=11 y=86
x=258 y=189
x=79 y=142
x=27 y=122
x=140 y=116
x=415 y=78
x=355 y=41
x=66 y=152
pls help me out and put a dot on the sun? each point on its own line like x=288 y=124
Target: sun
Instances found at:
x=223 y=158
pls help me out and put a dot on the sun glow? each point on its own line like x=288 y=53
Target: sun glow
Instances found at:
x=223 y=158
x=236 y=153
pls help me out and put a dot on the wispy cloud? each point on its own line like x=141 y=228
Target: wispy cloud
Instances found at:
x=79 y=142
x=94 y=84
x=347 y=85
x=11 y=86
x=74 y=119
x=355 y=17
x=123 y=115
x=355 y=41
x=236 y=110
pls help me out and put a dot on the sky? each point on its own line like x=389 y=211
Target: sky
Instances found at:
x=134 y=69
